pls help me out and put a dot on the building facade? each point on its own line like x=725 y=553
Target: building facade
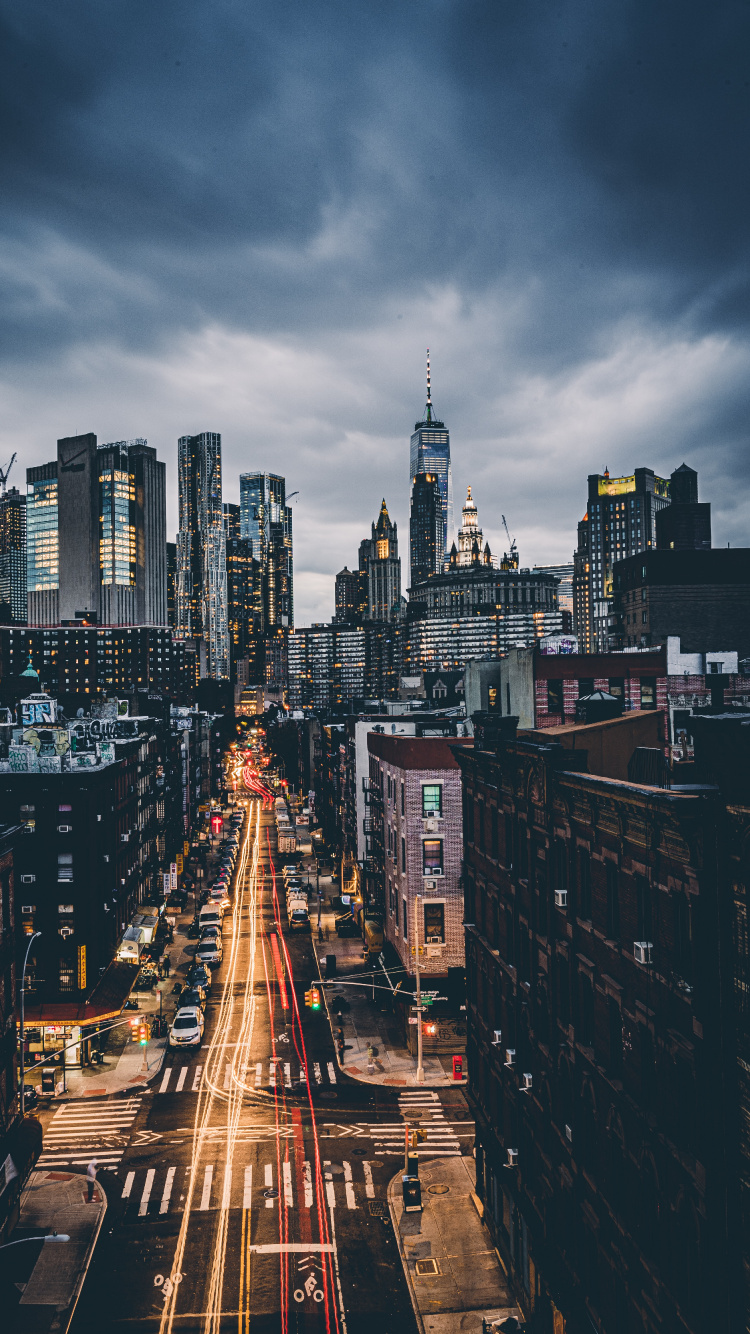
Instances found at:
x=599 y=1042
x=201 y=610
x=96 y=535
x=620 y=520
x=701 y=597
x=244 y=602
x=416 y=784
x=685 y=524
x=380 y=567
x=426 y=528
x=430 y=452
x=266 y=522
x=13 y=602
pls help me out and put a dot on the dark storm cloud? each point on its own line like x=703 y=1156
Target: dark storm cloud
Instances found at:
x=547 y=187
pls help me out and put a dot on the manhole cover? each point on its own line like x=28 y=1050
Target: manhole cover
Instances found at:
x=425 y=1267
x=328 y=1095
x=270 y=1193
x=377 y=1209
x=438 y=1190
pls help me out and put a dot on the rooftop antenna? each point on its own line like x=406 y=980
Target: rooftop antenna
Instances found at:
x=4 y=475
x=428 y=411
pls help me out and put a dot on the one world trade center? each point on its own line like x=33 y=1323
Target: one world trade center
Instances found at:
x=431 y=453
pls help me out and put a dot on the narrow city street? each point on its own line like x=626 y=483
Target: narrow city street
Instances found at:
x=246 y=1184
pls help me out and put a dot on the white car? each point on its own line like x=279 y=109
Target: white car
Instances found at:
x=210 y=952
x=187 y=1028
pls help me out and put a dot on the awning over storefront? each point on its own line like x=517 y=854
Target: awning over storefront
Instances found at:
x=105 y=1001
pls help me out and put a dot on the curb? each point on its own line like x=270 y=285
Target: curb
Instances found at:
x=87 y=1262
x=393 y=1185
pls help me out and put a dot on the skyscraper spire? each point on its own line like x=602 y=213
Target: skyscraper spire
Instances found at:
x=428 y=408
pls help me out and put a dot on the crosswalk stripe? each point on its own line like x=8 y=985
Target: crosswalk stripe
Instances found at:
x=227 y=1074
x=307 y=1180
x=369 y=1187
x=351 y=1203
x=163 y=1207
x=130 y=1178
x=197 y=1078
x=272 y=1075
x=268 y=1178
x=181 y=1081
x=247 y=1192
x=146 y=1196
x=288 y=1076
x=286 y=1168
x=258 y=1074
x=330 y=1195
x=165 y=1079
x=316 y=1072
x=331 y=1072
x=207 y=1177
x=227 y=1191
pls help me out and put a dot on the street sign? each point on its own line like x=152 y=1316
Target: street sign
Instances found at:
x=413 y=1019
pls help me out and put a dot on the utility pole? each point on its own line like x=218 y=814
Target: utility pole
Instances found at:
x=420 y=1067
x=23 y=996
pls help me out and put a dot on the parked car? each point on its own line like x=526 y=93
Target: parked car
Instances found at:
x=210 y=952
x=198 y=974
x=192 y=997
x=187 y=1028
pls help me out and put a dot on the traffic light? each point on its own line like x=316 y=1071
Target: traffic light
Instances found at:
x=134 y=1026
x=143 y=1034
x=315 y=998
x=308 y=998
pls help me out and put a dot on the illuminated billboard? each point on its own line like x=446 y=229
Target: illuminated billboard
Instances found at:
x=616 y=486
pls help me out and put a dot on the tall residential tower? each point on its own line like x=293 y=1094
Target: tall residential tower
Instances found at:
x=266 y=522
x=201 y=594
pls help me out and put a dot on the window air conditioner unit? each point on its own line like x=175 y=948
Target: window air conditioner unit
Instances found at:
x=430 y=884
x=569 y=1133
x=431 y=826
x=498 y=1037
x=527 y=1082
x=124 y=838
x=642 y=951
x=434 y=940
x=28 y=879
x=66 y=930
x=29 y=908
x=510 y=1057
x=64 y=828
x=512 y=1158
x=561 y=898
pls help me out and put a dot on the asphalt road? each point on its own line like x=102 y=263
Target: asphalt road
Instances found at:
x=246 y=1197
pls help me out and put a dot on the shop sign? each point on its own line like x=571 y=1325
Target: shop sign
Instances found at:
x=173 y=875
x=81 y=967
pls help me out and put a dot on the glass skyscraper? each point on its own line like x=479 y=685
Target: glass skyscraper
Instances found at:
x=201 y=594
x=266 y=522
x=431 y=453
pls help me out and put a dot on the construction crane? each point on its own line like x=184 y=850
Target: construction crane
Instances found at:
x=511 y=561
x=294 y=493
x=5 y=475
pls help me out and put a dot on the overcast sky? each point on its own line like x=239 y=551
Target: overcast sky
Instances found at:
x=255 y=217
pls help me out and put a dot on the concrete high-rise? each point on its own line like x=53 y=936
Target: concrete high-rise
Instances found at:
x=201 y=595
x=244 y=599
x=13 y=557
x=620 y=521
x=96 y=535
x=266 y=522
x=426 y=535
x=430 y=452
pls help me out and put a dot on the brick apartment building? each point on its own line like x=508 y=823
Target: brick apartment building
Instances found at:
x=415 y=786
x=600 y=973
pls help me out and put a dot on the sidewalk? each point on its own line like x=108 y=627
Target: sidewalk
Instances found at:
x=363 y=1022
x=55 y=1201
x=452 y=1270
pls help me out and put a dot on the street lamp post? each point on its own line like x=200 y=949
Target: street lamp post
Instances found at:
x=420 y=1067
x=23 y=1030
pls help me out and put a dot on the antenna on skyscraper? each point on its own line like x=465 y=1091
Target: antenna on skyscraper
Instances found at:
x=428 y=413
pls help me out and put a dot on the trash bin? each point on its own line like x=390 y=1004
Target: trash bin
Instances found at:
x=412 y=1195
x=330 y=965
x=48 y=1078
